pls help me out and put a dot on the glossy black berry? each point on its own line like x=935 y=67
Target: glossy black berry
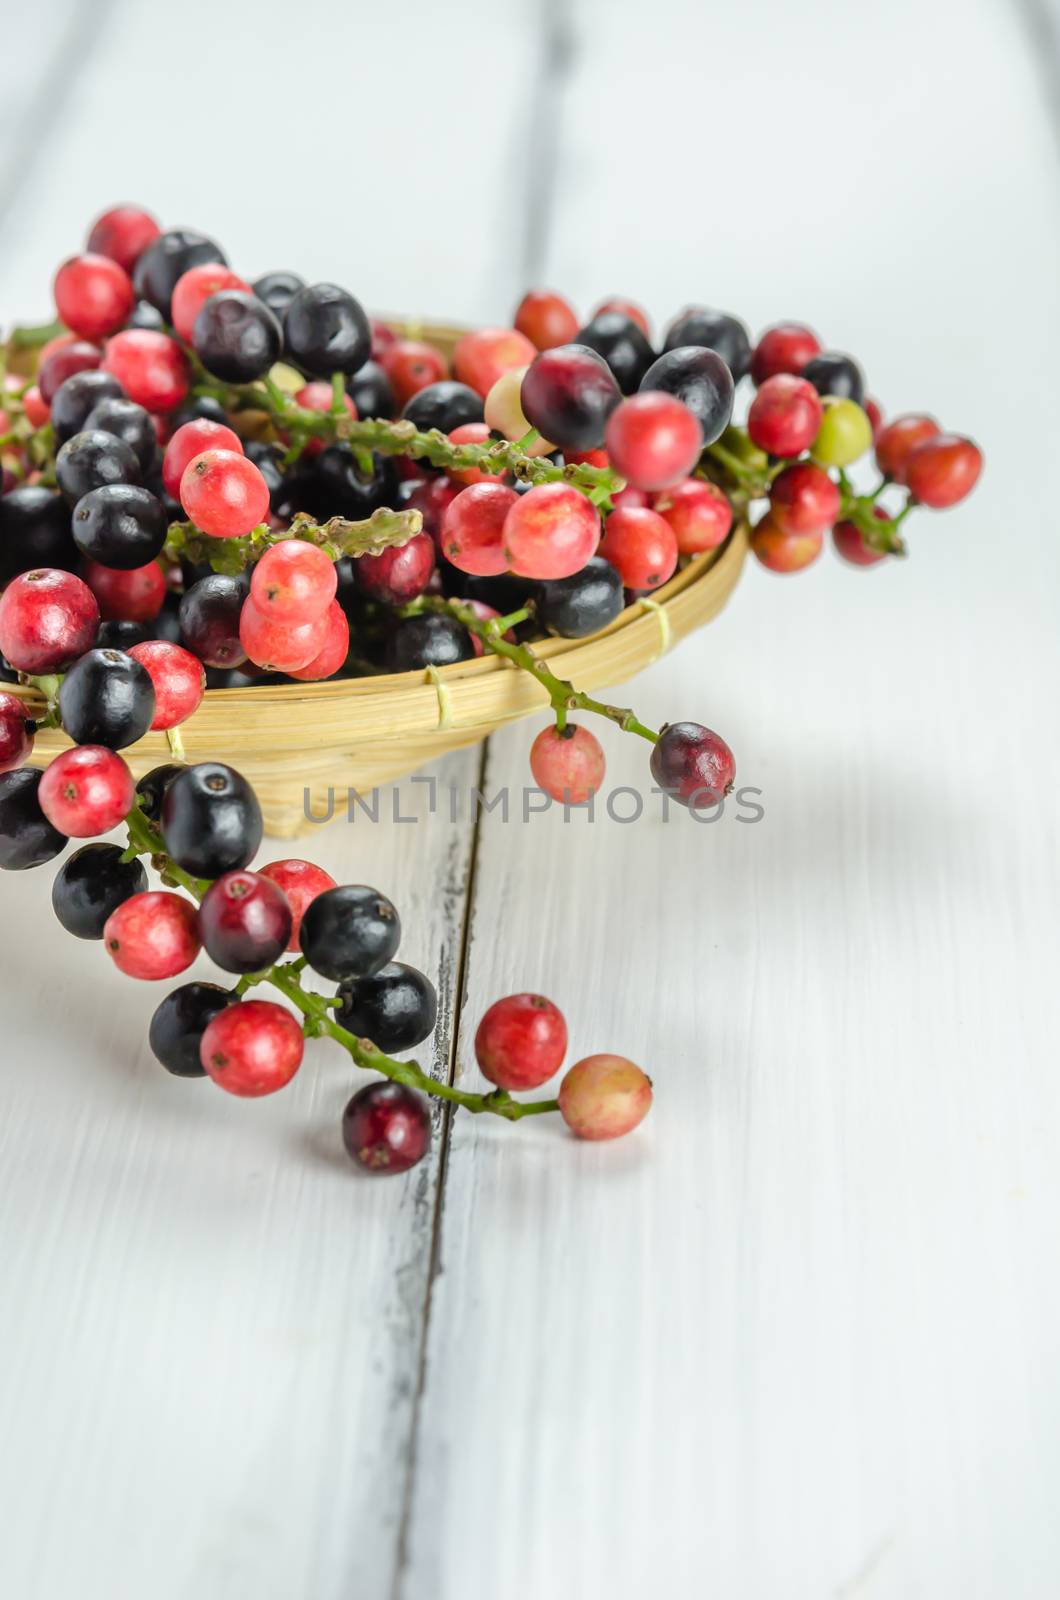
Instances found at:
x=211 y=820
x=349 y=932
x=582 y=604
x=428 y=641
x=92 y=883
x=337 y=486
x=179 y=1023
x=35 y=532
x=77 y=397
x=167 y=259
x=120 y=525
x=209 y=618
x=700 y=378
x=129 y=422
x=89 y=460
x=120 y=634
x=108 y=698
x=145 y=315
x=236 y=336
x=371 y=391
x=27 y=838
x=836 y=374
x=325 y=330
x=267 y=458
x=396 y=1008
x=623 y=346
x=277 y=290
x=445 y=405
x=568 y=394
x=152 y=787
x=715 y=330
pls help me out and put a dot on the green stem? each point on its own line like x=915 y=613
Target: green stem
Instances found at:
x=338 y=537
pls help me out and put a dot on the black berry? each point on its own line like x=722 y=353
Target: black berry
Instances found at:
x=179 y=1023
x=396 y=1008
x=211 y=820
x=349 y=932
x=325 y=330
x=107 y=698
x=92 y=883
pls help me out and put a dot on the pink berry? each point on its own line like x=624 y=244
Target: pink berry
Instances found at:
x=93 y=295
x=546 y=319
x=62 y=360
x=86 y=791
x=150 y=366
x=485 y=613
x=521 y=1041
x=47 y=619
x=293 y=582
x=123 y=234
x=153 y=935
x=301 y=881
x=472 y=536
x=252 y=1048
x=411 y=365
x=803 y=499
x=224 y=494
x=432 y=499
x=785 y=415
x=36 y=409
x=386 y=1128
x=898 y=439
x=942 y=471
x=191 y=440
x=653 y=439
x=472 y=433
x=135 y=595
x=630 y=498
x=178 y=677
x=334 y=650
x=784 y=552
x=569 y=766
x=398 y=575
x=641 y=546
x=280 y=646
x=482 y=356
x=194 y=288
x=698 y=512
x=16 y=741
x=604 y=1096
x=550 y=532
x=784 y=348
x=693 y=765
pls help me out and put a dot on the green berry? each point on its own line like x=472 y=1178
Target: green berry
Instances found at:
x=844 y=435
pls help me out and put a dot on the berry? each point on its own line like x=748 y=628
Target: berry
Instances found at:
x=397 y=575
x=485 y=613
x=93 y=295
x=151 y=368
x=236 y=336
x=334 y=650
x=803 y=499
x=268 y=459
x=107 y=698
x=411 y=366
x=943 y=470
x=211 y=820
x=54 y=369
x=568 y=394
x=251 y=1048
x=785 y=552
x=850 y=544
x=123 y=233
x=293 y=582
x=874 y=413
x=75 y=398
x=132 y=596
x=505 y=414
x=224 y=494
x=317 y=396
x=832 y=373
x=431 y=499
x=473 y=529
x=126 y=421
x=484 y=354
x=86 y=791
x=641 y=546
x=428 y=641
x=443 y=405
x=626 y=308
x=209 y=618
x=325 y=330
x=245 y=922
x=546 y=319
x=692 y=765
x=569 y=766
x=35 y=407
x=280 y=646
x=550 y=532
x=396 y=1008
x=521 y=1041
x=700 y=379
x=151 y=789
x=178 y=678
x=713 y=330
x=582 y=604
x=119 y=525
x=349 y=932
x=34 y=531
x=472 y=433
x=160 y=267
x=653 y=440
x=27 y=838
x=383 y=336
x=193 y=439
x=278 y=289
x=604 y=1096
x=386 y=1128
x=89 y=460
x=16 y=739
x=91 y=885
x=181 y=1020
x=622 y=344
x=47 y=619
x=194 y=288
x=371 y=391
x=785 y=415
x=698 y=512
x=844 y=435
x=784 y=348
x=898 y=439
x=301 y=882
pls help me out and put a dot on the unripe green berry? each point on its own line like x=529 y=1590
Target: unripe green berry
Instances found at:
x=844 y=435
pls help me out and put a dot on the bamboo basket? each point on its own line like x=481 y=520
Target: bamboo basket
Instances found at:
x=301 y=744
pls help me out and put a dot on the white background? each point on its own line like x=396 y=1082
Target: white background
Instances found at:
x=797 y=1337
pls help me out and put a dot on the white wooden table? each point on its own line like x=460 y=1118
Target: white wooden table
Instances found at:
x=798 y=1337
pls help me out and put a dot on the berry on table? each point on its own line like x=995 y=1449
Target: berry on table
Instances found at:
x=803 y=499
x=833 y=373
x=325 y=330
x=604 y=1097
x=132 y=596
x=693 y=765
x=784 y=348
x=844 y=436
x=550 y=532
x=123 y=233
x=567 y=764
x=701 y=380
x=484 y=354
x=472 y=530
x=16 y=739
x=86 y=791
x=209 y=618
x=193 y=439
x=181 y=1020
x=211 y=820
x=335 y=647
x=622 y=344
x=150 y=366
x=224 y=494
x=428 y=641
x=546 y=319
x=293 y=582
x=161 y=265
x=582 y=604
x=898 y=439
x=568 y=394
x=107 y=698
x=280 y=646
x=93 y=295
x=245 y=922
x=178 y=679
x=88 y=460
x=194 y=288
x=653 y=440
x=301 y=882
x=641 y=546
x=411 y=366
x=47 y=619
x=941 y=471
x=521 y=1041
x=236 y=336
x=27 y=838
x=785 y=552
x=698 y=512
x=386 y=1128
x=120 y=525
x=713 y=330
x=397 y=575
x=252 y=1048
x=443 y=405
x=349 y=932
x=91 y=885
x=396 y=1008
x=785 y=415
x=505 y=414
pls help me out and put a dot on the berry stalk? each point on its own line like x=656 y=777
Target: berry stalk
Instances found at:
x=337 y=537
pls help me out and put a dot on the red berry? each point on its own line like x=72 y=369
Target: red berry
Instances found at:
x=36 y=409
x=86 y=791
x=335 y=648
x=850 y=543
x=784 y=552
x=550 y=532
x=301 y=882
x=61 y=362
x=386 y=1128
x=630 y=498
x=252 y=1048
x=874 y=412
x=604 y=1096
x=569 y=766
x=653 y=439
x=587 y=458
x=153 y=935
x=431 y=499
x=472 y=535
x=382 y=338
x=194 y=288
x=803 y=499
x=641 y=546
x=280 y=646
x=943 y=471
x=16 y=741
x=191 y=439
x=898 y=439
x=244 y=921
x=224 y=494
x=178 y=678
x=693 y=765
x=482 y=356
x=411 y=365
x=293 y=582
x=485 y=613
x=785 y=415
x=150 y=366
x=318 y=396
x=698 y=512
x=784 y=348
x=472 y=433
x=123 y=234
x=546 y=319
x=624 y=308
x=521 y=1041
x=398 y=575
x=93 y=295
x=47 y=619
x=132 y=596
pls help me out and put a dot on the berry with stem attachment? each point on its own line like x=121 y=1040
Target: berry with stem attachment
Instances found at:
x=252 y=1048
x=604 y=1097
x=179 y=1023
x=521 y=1041
x=86 y=791
x=568 y=764
x=91 y=885
x=153 y=935
x=386 y=1128
x=396 y=1007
